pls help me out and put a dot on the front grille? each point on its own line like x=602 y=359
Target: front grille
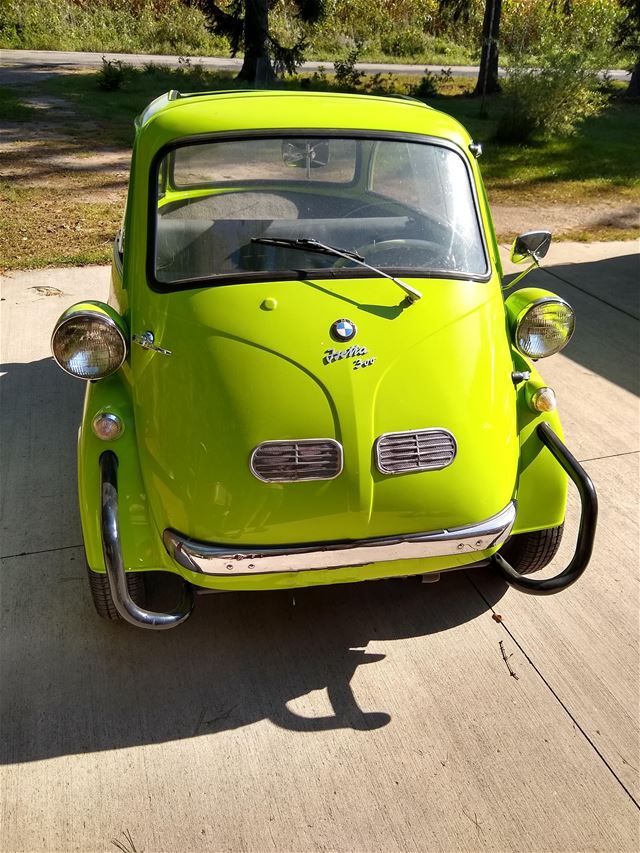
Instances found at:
x=292 y=461
x=417 y=450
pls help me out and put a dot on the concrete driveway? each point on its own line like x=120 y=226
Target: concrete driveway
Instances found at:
x=376 y=717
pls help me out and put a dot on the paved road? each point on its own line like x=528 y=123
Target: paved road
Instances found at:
x=71 y=59
x=375 y=717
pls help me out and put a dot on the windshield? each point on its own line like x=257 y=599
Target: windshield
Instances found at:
x=402 y=206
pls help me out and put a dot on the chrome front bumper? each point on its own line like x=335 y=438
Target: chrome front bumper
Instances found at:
x=114 y=563
x=230 y=561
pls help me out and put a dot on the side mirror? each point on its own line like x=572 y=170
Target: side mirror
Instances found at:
x=306 y=153
x=531 y=244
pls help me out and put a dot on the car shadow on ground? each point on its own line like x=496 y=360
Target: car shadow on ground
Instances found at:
x=606 y=298
x=74 y=683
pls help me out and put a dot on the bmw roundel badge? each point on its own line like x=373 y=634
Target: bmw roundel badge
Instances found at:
x=343 y=330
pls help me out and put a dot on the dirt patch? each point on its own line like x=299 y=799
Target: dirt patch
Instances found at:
x=44 y=103
x=43 y=290
x=565 y=219
x=61 y=193
x=39 y=150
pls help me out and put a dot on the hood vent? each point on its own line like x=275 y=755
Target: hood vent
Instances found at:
x=293 y=461
x=417 y=450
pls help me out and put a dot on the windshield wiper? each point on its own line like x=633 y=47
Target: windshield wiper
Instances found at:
x=310 y=245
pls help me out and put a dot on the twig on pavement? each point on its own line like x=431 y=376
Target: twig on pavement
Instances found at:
x=505 y=658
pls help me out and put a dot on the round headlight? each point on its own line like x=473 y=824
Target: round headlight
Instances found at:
x=88 y=345
x=544 y=328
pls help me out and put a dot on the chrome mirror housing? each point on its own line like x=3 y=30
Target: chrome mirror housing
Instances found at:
x=306 y=153
x=531 y=244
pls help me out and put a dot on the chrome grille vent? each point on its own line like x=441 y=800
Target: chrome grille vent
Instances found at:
x=417 y=450
x=292 y=461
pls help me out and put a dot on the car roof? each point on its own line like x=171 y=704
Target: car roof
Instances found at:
x=174 y=115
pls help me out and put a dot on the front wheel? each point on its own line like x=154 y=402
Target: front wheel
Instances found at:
x=101 y=593
x=530 y=552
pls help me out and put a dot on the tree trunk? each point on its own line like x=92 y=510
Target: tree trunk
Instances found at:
x=633 y=89
x=256 y=68
x=488 y=76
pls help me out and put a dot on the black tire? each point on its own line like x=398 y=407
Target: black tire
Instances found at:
x=530 y=552
x=101 y=593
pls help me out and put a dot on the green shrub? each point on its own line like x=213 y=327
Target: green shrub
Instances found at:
x=319 y=79
x=526 y=24
x=427 y=87
x=553 y=98
x=550 y=101
x=113 y=74
x=123 y=26
x=406 y=42
x=385 y=84
x=347 y=75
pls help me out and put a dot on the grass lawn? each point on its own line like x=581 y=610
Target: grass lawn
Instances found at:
x=62 y=187
x=43 y=228
x=12 y=108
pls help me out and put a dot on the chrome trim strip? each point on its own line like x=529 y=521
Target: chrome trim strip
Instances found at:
x=291 y=441
x=383 y=470
x=234 y=561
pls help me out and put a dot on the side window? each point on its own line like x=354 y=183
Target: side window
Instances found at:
x=162 y=176
x=427 y=177
x=392 y=173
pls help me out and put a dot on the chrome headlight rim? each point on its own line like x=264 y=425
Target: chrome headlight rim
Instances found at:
x=543 y=300
x=93 y=315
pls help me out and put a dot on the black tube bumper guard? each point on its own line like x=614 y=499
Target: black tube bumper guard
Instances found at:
x=586 y=531
x=131 y=612
x=112 y=550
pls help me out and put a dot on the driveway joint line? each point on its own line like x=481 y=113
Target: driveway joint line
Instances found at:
x=42 y=551
x=555 y=695
x=610 y=456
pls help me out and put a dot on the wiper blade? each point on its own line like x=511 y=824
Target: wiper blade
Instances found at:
x=307 y=244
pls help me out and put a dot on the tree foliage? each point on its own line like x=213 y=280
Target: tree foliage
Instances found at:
x=556 y=95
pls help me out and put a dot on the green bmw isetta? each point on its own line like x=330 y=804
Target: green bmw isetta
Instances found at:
x=307 y=372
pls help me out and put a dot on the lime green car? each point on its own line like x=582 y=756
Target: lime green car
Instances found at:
x=307 y=372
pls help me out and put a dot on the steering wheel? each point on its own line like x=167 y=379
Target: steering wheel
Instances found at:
x=403 y=252
x=384 y=203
